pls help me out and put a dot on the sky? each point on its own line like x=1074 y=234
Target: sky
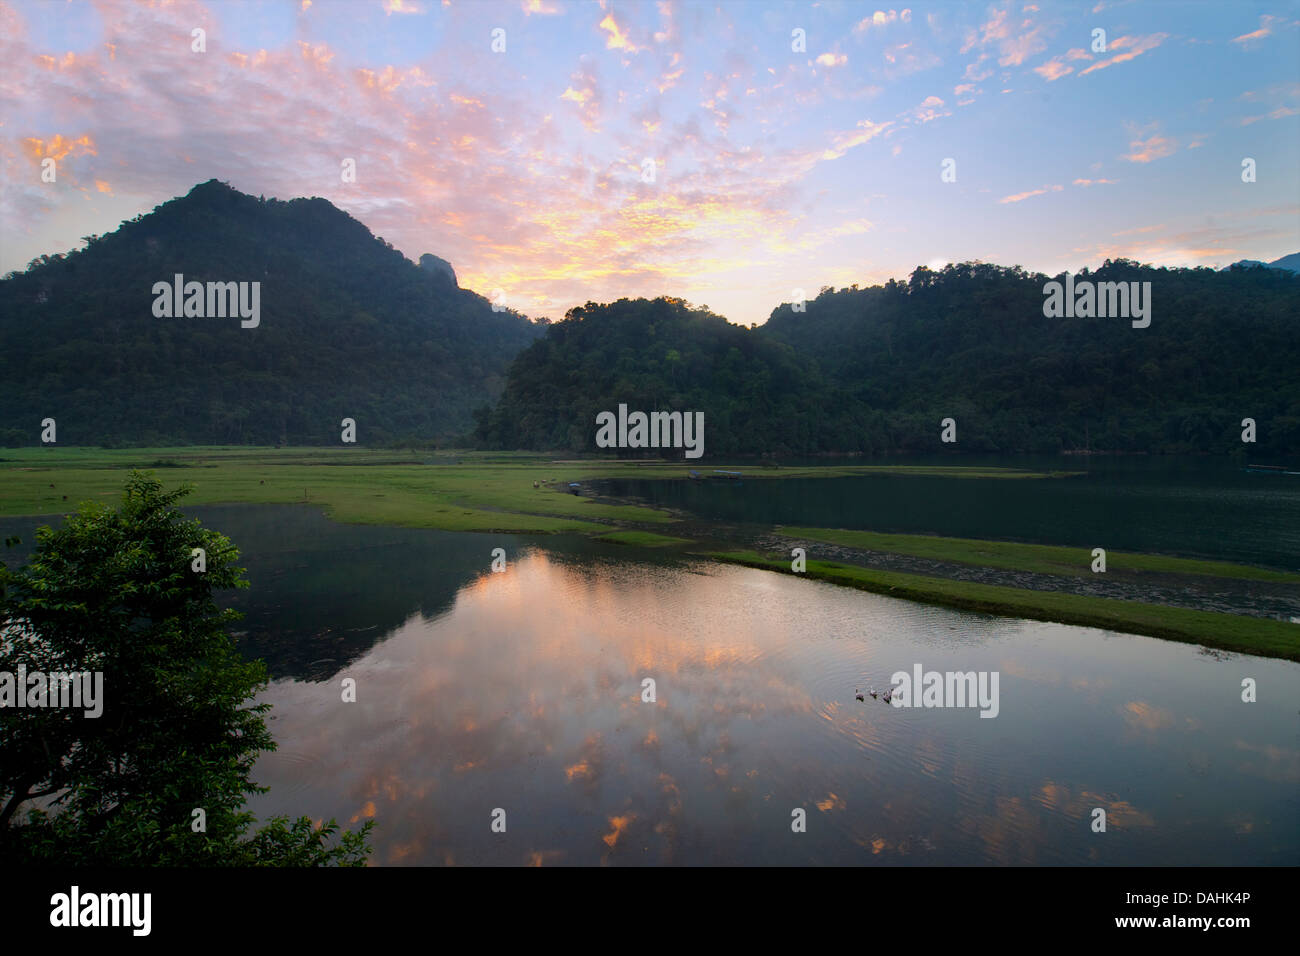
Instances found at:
x=728 y=153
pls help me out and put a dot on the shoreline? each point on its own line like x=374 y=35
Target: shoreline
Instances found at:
x=1239 y=633
x=494 y=492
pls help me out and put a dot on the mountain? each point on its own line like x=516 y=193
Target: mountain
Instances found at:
x=972 y=342
x=756 y=395
x=1291 y=262
x=876 y=370
x=345 y=327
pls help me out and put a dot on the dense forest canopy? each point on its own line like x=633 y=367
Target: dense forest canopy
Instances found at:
x=875 y=370
x=348 y=328
x=756 y=394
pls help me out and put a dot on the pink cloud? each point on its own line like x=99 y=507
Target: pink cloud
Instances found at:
x=1053 y=70
x=1014 y=41
x=1265 y=28
x=1139 y=46
x=1152 y=148
x=1020 y=197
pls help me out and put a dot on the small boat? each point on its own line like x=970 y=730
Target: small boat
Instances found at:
x=718 y=473
x=692 y=474
x=573 y=487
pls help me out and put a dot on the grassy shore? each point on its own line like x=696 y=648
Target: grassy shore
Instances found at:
x=1252 y=635
x=1040 y=558
x=494 y=492
x=454 y=491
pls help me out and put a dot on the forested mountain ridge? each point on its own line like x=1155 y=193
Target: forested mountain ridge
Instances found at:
x=875 y=370
x=971 y=342
x=756 y=394
x=348 y=328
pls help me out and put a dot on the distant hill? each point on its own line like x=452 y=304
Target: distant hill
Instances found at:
x=971 y=342
x=1291 y=263
x=875 y=370
x=348 y=328
x=757 y=395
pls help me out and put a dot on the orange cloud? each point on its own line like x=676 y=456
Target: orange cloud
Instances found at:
x=617 y=39
x=59 y=147
x=619 y=824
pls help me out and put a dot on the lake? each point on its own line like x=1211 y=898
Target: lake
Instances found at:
x=1194 y=507
x=521 y=691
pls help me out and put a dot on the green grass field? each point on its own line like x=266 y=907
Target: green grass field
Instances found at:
x=1041 y=558
x=1233 y=632
x=454 y=491
x=484 y=493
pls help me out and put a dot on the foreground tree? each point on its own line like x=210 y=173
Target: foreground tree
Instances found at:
x=116 y=591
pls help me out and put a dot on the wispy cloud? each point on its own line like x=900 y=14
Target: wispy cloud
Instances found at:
x=1133 y=47
x=1020 y=197
x=1152 y=148
x=1266 y=24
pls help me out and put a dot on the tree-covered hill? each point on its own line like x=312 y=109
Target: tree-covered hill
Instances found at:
x=756 y=394
x=971 y=342
x=349 y=328
x=875 y=370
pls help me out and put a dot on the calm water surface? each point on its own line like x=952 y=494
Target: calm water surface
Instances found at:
x=522 y=691
x=1195 y=507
